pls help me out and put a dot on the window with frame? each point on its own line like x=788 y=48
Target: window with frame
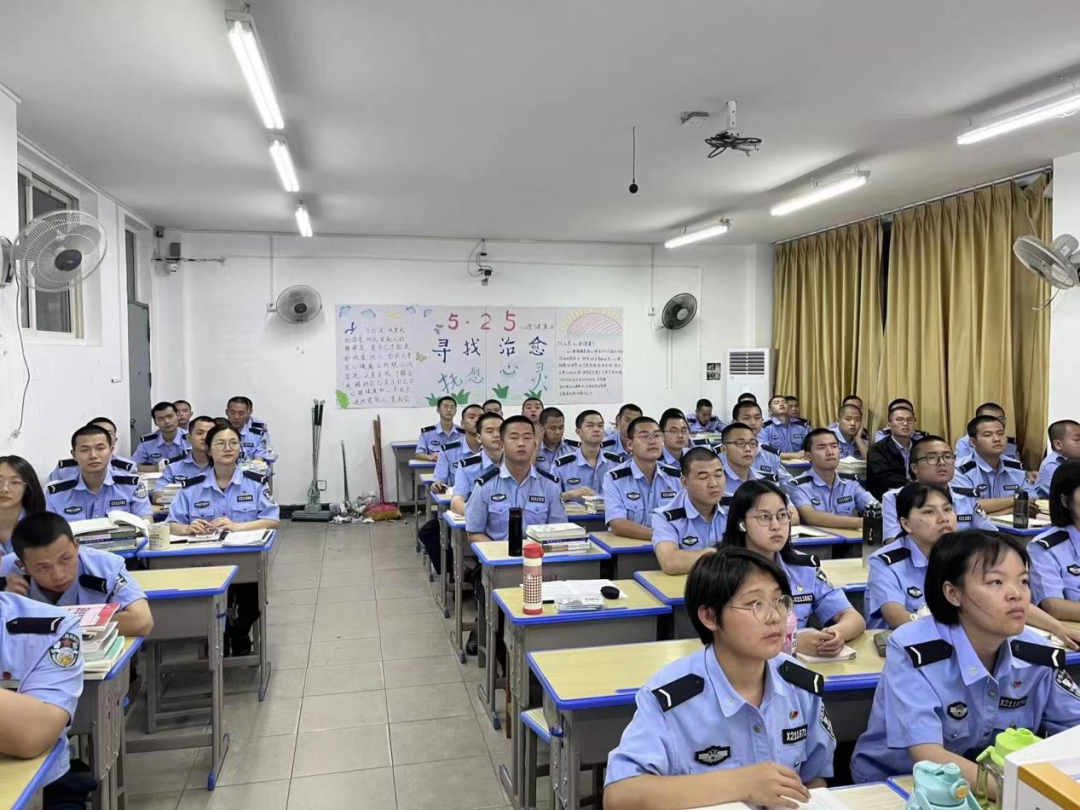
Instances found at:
x=58 y=313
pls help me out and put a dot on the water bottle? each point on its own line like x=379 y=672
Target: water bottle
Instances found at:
x=514 y=537
x=532 y=580
x=872 y=529
x=1020 y=509
x=791 y=634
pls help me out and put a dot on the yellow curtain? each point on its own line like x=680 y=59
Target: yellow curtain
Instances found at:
x=827 y=317
x=960 y=323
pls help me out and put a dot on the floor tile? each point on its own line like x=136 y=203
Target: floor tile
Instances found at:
x=258 y=759
x=159 y=771
x=255 y=796
x=408 y=606
x=277 y=614
x=428 y=702
x=287 y=581
x=404 y=625
x=421 y=671
x=345 y=678
x=302 y=596
x=347 y=749
x=347 y=564
x=285 y=634
x=372 y=789
x=348 y=710
x=345 y=624
x=421 y=645
x=347 y=593
x=349 y=651
x=154 y=801
x=457 y=784
x=338 y=579
x=434 y=740
x=288 y=656
x=249 y=718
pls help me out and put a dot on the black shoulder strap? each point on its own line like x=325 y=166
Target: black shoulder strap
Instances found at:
x=674 y=514
x=810 y=681
x=895 y=556
x=487 y=476
x=92 y=583
x=929 y=652
x=545 y=474
x=1051 y=540
x=966 y=468
x=127 y=480
x=803 y=479
x=34 y=625
x=255 y=476
x=678 y=691
x=1040 y=654
x=793 y=556
x=621 y=472
x=564 y=460
x=62 y=486
x=197 y=479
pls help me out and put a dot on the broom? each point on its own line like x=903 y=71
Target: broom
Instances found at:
x=381 y=510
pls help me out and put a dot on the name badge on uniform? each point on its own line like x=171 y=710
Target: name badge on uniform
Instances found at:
x=73 y=510
x=537 y=499
x=155 y=455
x=573 y=481
x=1012 y=703
x=667 y=494
x=498 y=496
x=633 y=496
x=803 y=599
x=689 y=541
x=963 y=518
x=118 y=502
x=252 y=444
x=794 y=735
x=845 y=499
x=1074 y=570
x=765 y=468
x=914 y=593
x=247 y=496
x=1011 y=486
x=201 y=504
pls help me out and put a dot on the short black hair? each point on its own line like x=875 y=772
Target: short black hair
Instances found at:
x=988 y=406
x=247 y=403
x=581 y=417
x=742 y=405
x=918 y=444
x=550 y=413
x=790 y=398
x=527 y=400
x=441 y=400
x=181 y=402
x=914 y=495
x=90 y=430
x=629 y=406
x=670 y=415
x=732 y=427
x=746 y=396
x=39 y=530
x=97 y=420
x=213 y=433
x=714 y=579
x=901 y=401
x=160 y=407
x=849 y=406
x=204 y=418
x=1057 y=430
x=953 y=555
x=516 y=419
x=488 y=417
x=777 y=396
x=1062 y=486
x=742 y=502
x=696 y=454
x=703 y=403
x=632 y=428
x=491 y=401
x=808 y=439
x=33 y=499
x=851 y=398
x=973 y=425
x=901 y=406
x=468 y=408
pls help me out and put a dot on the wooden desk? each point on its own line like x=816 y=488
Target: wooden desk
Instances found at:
x=628 y=556
x=500 y=570
x=671 y=590
x=622 y=621
x=22 y=780
x=849 y=575
x=902 y=784
x=187 y=603
x=872 y=796
x=850 y=686
x=253 y=567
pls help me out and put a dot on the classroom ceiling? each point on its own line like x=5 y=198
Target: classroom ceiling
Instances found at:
x=512 y=119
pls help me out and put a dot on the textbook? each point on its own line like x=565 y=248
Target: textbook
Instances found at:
x=116 y=522
x=97 y=641
x=808 y=531
x=92 y=617
x=253 y=537
x=846 y=654
x=98 y=668
x=594 y=503
x=575 y=589
x=555 y=531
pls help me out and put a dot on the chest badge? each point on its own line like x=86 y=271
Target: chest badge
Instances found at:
x=798 y=587
x=1074 y=569
x=713 y=755
x=498 y=496
x=914 y=593
x=689 y=541
x=633 y=496
x=958 y=710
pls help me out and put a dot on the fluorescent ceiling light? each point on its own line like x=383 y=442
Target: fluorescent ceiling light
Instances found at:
x=245 y=44
x=303 y=220
x=1057 y=108
x=697 y=236
x=824 y=191
x=279 y=152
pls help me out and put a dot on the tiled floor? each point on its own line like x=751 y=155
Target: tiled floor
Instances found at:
x=367 y=708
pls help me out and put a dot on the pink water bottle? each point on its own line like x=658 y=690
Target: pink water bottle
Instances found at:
x=791 y=634
x=532 y=590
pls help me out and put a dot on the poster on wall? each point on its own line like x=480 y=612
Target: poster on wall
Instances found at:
x=413 y=355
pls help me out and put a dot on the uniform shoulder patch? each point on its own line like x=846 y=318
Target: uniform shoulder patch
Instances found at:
x=427 y=429
x=549 y=476
x=622 y=472
x=803 y=479
x=678 y=691
x=258 y=430
x=1012 y=463
x=613 y=457
x=793 y=556
x=255 y=476
x=62 y=486
x=806 y=679
x=488 y=476
x=468 y=461
x=1040 y=654
x=966 y=468
x=34 y=625
x=768 y=448
x=674 y=514
x=608 y=443
x=895 y=556
x=672 y=471
x=563 y=461
x=92 y=583
x=929 y=652
x=196 y=479
x=572 y=442
x=849 y=476
x=1055 y=539
x=452 y=445
x=127 y=465
x=65 y=652
x=965 y=491
x=148 y=437
x=67 y=463
x=771 y=477
x=128 y=480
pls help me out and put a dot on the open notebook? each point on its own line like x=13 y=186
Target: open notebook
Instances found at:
x=820 y=799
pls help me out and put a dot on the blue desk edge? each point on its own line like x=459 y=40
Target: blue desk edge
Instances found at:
x=564 y=618
x=27 y=795
x=172 y=593
x=198 y=548
x=639 y=577
x=646 y=549
x=591 y=556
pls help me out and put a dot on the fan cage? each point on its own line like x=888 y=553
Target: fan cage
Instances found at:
x=59 y=250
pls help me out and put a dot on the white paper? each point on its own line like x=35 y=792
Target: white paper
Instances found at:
x=820 y=799
x=576 y=588
x=846 y=654
x=252 y=537
x=807 y=531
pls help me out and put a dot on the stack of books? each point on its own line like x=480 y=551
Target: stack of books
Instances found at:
x=168 y=493
x=853 y=466
x=119 y=531
x=559 y=537
x=102 y=644
x=575 y=508
x=594 y=503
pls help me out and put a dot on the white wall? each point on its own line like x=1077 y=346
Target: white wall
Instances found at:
x=1065 y=311
x=231 y=346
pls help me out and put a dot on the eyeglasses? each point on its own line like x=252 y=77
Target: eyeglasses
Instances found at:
x=765 y=519
x=937 y=459
x=649 y=436
x=12 y=483
x=763 y=609
x=743 y=444
x=233 y=445
x=677 y=432
x=904 y=420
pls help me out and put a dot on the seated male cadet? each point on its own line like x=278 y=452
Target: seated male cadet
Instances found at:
x=1064 y=438
x=933 y=462
x=617 y=441
x=41 y=648
x=740 y=451
x=636 y=487
x=702 y=420
x=849 y=433
x=553 y=444
x=531 y=409
x=194 y=462
x=457 y=449
x=964 y=447
x=736 y=722
x=793 y=411
x=823 y=496
x=183 y=415
x=676 y=437
x=582 y=469
x=767 y=461
x=164 y=444
x=254 y=433
x=493 y=406
x=433 y=437
x=782 y=431
x=49 y=566
x=516 y=483
x=888 y=464
x=886 y=431
x=469 y=468
x=96 y=490
x=995 y=477
x=692 y=523
x=69 y=468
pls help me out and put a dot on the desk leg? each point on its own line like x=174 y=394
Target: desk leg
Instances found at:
x=215 y=626
x=264 y=637
x=492 y=658
x=565 y=765
x=414 y=498
x=513 y=778
x=153 y=687
x=459 y=574
x=444 y=575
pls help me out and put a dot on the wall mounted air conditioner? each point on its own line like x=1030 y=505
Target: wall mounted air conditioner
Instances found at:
x=748 y=371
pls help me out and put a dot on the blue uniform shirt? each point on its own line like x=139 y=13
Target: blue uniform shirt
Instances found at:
x=1055 y=565
x=41 y=648
x=179 y=471
x=575 y=472
x=153 y=448
x=432 y=438
x=613 y=444
x=733 y=482
x=935 y=690
x=811 y=590
x=246 y=498
x=539 y=497
x=787 y=436
x=1046 y=473
x=1004 y=482
x=255 y=441
x=545 y=458
x=690 y=720
x=68 y=468
x=5 y=542
x=845 y=497
x=767 y=462
x=679 y=522
x=964 y=448
x=714 y=425
x=848 y=449
x=102 y=578
x=452 y=453
x=468 y=469
x=969 y=515
x=628 y=493
x=897 y=574
x=74 y=501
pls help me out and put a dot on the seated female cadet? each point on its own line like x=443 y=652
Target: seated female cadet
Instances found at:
x=955 y=679
x=1055 y=554
x=20 y=495
x=758 y=520
x=738 y=721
